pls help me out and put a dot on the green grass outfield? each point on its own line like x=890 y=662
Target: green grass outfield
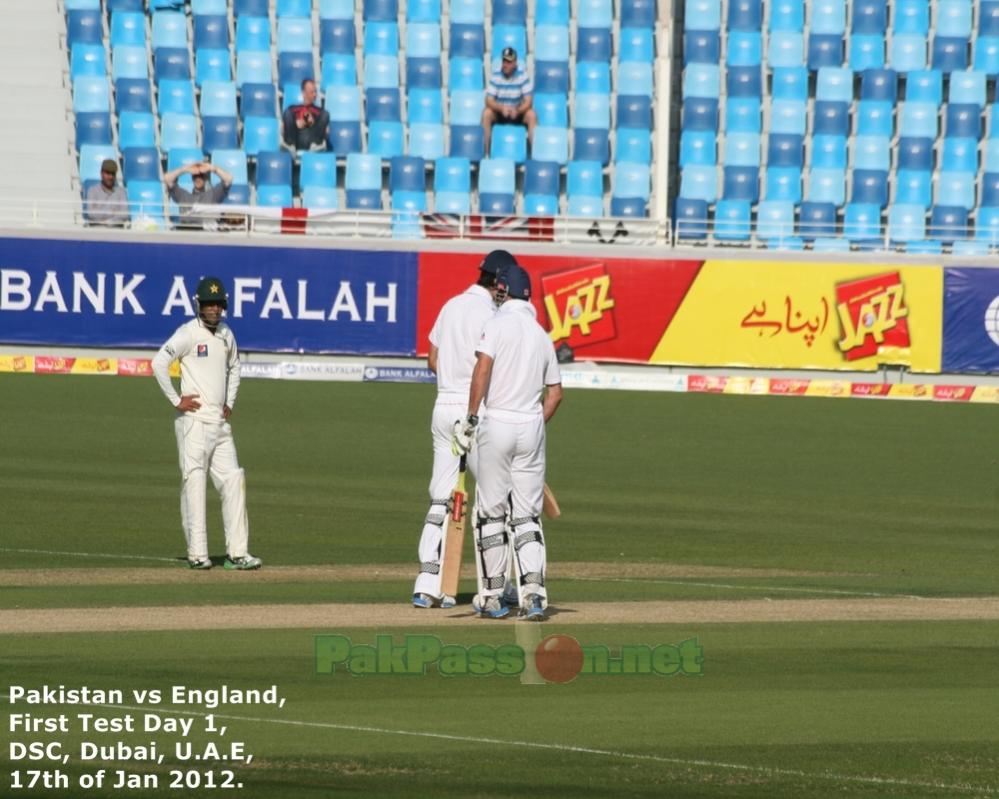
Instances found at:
x=770 y=498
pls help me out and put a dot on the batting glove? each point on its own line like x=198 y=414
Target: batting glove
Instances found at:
x=464 y=435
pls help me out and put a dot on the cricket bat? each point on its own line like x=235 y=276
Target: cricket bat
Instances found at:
x=550 y=504
x=454 y=537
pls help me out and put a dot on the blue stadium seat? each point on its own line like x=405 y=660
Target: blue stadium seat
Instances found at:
x=637 y=44
x=381 y=38
x=556 y=12
x=509 y=142
x=121 y=5
x=817 y=220
x=293 y=8
x=541 y=188
x=467 y=41
x=337 y=36
x=915 y=153
x=925 y=86
x=294 y=35
x=318 y=169
x=127 y=27
x=132 y=94
x=691 y=217
x=550 y=144
x=363 y=181
x=407 y=173
x=497 y=184
x=987 y=226
x=824 y=50
x=239 y=194
x=553 y=41
x=93 y=127
x=862 y=223
x=386 y=138
x=867 y=51
x=700 y=114
x=633 y=111
x=593 y=77
x=382 y=105
x=345 y=137
x=990 y=189
x=592 y=109
x=741 y=149
x=870 y=186
x=705 y=14
x=785 y=149
x=742 y=115
x=967 y=87
x=745 y=49
x=633 y=144
x=628 y=207
x=828 y=16
x=408 y=205
x=552 y=109
x=178 y=130
x=77 y=5
x=425 y=73
x=950 y=54
x=827 y=186
x=775 y=220
x=339 y=69
x=872 y=152
x=991 y=163
x=948 y=222
x=834 y=84
x=699 y=183
x=260 y=134
x=253 y=66
x=786 y=49
x=743 y=15
x=254 y=34
x=141 y=163
x=959 y=155
x=875 y=118
x=963 y=120
x=467 y=12
x=783 y=183
x=466 y=142
x=169 y=29
x=465 y=74
x=955 y=188
x=451 y=202
x=585 y=188
x=466 y=108
x=381 y=71
x=788 y=116
x=211 y=65
x=908 y=52
x=145 y=200
x=84 y=26
x=423 y=40
x=234 y=162
x=879 y=84
x=906 y=223
x=320 y=197
x=452 y=183
x=296 y=67
x=986 y=57
x=914 y=186
x=425 y=105
x=218 y=99
x=423 y=11
x=790 y=83
x=175 y=97
x=829 y=151
x=698 y=147
x=971 y=247
x=426 y=139
x=87 y=60
x=699 y=47
x=171 y=63
x=739 y=82
x=590 y=13
x=258 y=100
x=869 y=17
x=591 y=144
x=129 y=61
x=787 y=15
x=136 y=129
x=211 y=31
x=220 y=133
x=634 y=78
x=382 y=10
x=741 y=183
x=270 y=196
x=251 y=8
x=593 y=44
x=953 y=18
x=732 y=220
x=911 y=16
x=585 y=206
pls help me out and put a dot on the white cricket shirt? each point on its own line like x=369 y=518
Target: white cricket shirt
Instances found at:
x=455 y=334
x=209 y=367
x=523 y=356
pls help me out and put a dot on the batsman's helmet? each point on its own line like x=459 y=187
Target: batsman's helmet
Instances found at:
x=211 y=289
x=496 y=261
x=515 y=283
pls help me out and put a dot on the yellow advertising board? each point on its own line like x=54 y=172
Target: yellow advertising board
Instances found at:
x=787 y=315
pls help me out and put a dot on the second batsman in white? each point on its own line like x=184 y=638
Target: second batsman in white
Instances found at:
x=517 y=376
x=209 y=381
x=452 y=358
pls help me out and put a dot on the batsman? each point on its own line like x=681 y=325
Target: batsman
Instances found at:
x=209 y=382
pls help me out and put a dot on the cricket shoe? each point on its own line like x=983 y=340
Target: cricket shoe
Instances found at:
x=511 y=597
x=489 y=607
x=448 y=602
x=534 y=609
x=201 y=564
x=245 y=563
x=423 y=601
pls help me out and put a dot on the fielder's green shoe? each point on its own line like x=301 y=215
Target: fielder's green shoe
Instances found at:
x=245 y=563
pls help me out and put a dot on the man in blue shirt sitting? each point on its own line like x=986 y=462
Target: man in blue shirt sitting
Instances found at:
x=508 y=98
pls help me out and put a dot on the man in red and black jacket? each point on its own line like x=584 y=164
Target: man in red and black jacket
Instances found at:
x=306 y=125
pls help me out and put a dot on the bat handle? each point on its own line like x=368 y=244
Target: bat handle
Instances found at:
x=462 y=462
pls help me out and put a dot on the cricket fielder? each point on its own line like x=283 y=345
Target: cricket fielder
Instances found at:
x=452 y=358
x=515 y=363
x=209 y=381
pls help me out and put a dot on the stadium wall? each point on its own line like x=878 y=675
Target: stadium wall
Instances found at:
x=652 y=307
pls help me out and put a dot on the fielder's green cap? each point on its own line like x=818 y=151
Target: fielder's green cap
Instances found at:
x=211 y=289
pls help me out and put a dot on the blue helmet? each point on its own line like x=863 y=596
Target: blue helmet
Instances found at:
x=496 y=261
x=514 y=282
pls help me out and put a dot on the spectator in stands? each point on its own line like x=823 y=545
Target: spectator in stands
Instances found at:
x=306 y=125
x=508 y=98
x=107 y=203
x=204 y=193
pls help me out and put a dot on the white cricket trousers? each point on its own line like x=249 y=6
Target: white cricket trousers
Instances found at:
x=208 y=448
x=511 y=469
x=442 y=483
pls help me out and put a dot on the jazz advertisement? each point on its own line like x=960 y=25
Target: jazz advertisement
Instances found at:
x=720 y=313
